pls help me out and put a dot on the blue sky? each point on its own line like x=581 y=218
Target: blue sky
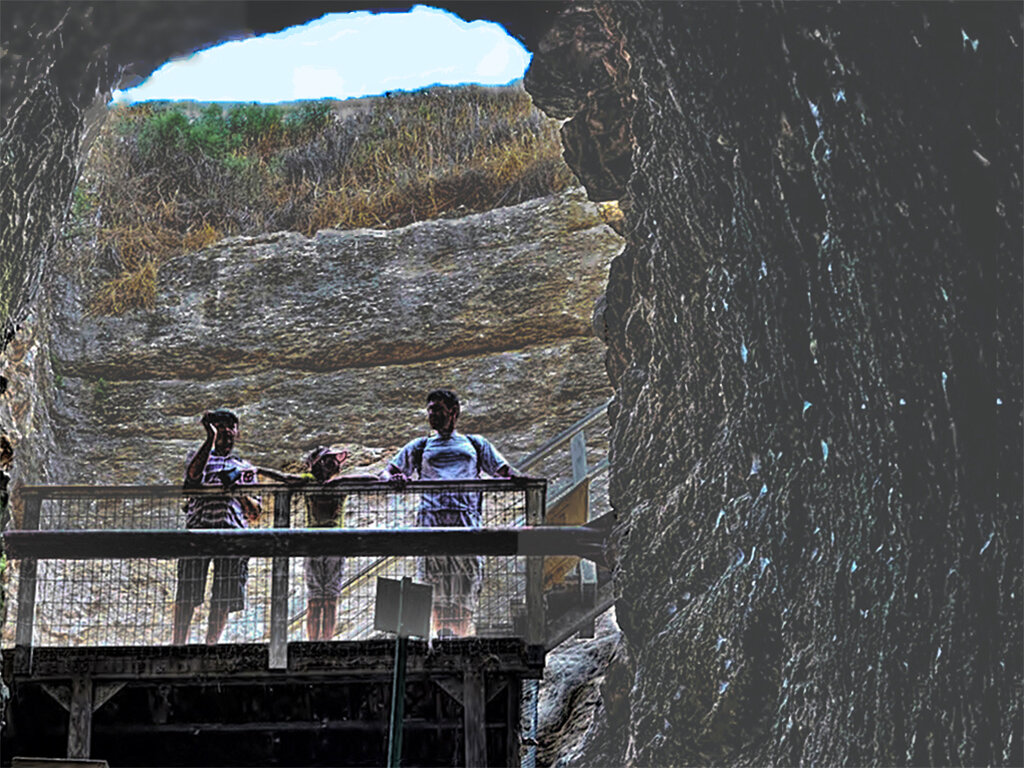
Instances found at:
x=343 y=55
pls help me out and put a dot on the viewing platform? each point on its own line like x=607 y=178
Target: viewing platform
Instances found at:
x=88 y=649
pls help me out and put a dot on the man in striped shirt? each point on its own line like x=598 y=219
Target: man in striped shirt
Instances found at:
x=215 y=464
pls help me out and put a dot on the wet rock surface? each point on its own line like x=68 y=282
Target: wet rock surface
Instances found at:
x=807 y=342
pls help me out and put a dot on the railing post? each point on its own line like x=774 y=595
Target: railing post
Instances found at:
x=278 y=653
x=587 y=570
x=578 y=453
x=535 y=620
x=27 y=569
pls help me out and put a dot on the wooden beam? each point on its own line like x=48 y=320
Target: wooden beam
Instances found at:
x=474 y=718
x=59 y=693
x=342 y=486
x=278 y=652
x=514 y=722
x=104 y=692
x=452 y=686
x=583 y=541
x=292 y=726
x=80 y=717
x=244 y=661
x=496 y=687
x=535 y=511
x=566 y=626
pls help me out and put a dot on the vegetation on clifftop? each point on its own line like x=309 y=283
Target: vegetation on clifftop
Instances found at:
x=167 y=178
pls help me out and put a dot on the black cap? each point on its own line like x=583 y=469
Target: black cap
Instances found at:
x=222 y=416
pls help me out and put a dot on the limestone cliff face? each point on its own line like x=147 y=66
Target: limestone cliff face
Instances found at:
x=337 y=339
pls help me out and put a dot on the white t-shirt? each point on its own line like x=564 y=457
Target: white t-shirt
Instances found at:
x=449 y=458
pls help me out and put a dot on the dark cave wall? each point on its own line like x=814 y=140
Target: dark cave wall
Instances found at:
x=816 y=311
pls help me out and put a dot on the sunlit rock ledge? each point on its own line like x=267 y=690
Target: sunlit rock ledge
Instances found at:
x=337 y=338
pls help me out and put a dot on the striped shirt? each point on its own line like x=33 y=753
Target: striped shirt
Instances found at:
x=218 y=511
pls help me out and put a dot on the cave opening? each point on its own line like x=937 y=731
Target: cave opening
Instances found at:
x=157 y=136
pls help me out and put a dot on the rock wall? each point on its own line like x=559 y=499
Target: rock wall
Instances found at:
x=338 y=338
x=815 y=346
x=815 y=342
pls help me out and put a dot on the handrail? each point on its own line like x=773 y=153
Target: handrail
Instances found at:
x=340 y=486
x=93 y=544
x=176 y=492
x=568 y=626
x=557 y=441
x=501 y=539
x=598 y=469
x=562 y=437
x=367 y=571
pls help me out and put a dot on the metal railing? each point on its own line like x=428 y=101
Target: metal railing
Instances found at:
x=577 y=470
x=98 y=566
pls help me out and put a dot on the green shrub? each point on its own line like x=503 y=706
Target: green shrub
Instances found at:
x=307 y=119
x=249 y=124
x=164 y=134
x=209 y=133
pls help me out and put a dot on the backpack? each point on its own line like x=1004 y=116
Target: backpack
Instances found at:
x=421 y=444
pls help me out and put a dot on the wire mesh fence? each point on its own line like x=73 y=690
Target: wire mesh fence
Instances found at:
x=131 y=601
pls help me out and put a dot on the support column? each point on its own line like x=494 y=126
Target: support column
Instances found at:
x=535 y=620
x=474 y=718
x=587 y=570
x=80 y=717
x=513 y=725
x=27 y=569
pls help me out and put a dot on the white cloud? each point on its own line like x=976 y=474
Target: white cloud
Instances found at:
x=340 y=34
x=494 y=63
x=317 y=83
x=344 y=56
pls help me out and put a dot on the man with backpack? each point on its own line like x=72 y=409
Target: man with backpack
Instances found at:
x=449 y=455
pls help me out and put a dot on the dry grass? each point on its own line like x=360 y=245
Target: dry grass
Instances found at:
x=132 y=289
x=159 y=184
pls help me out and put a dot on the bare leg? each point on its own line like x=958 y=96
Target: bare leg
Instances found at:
x=455 y=619
x=182 y=618
x=328 y=618
x=461 y=621
x=314 y=618
x=218 y=619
